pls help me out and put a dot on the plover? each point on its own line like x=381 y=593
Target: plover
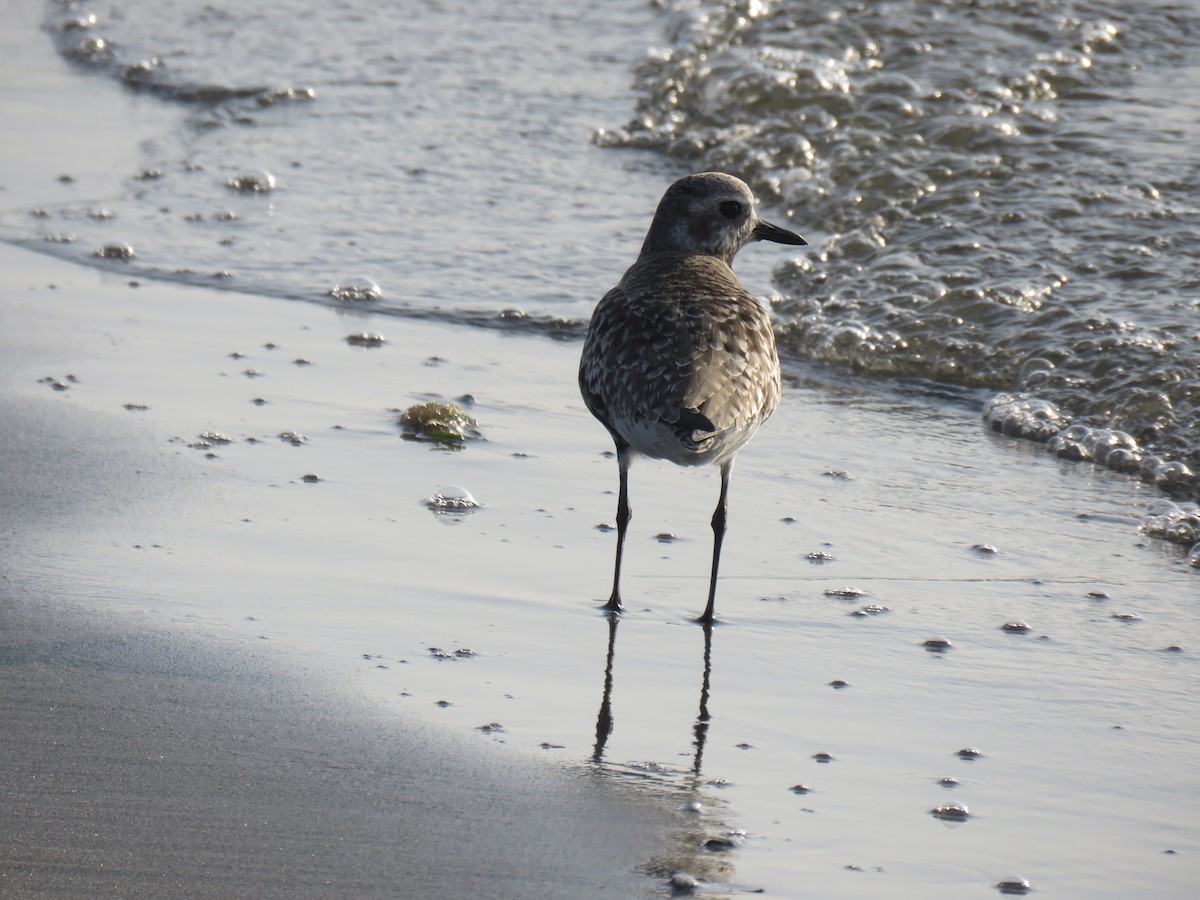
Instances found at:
x=680 y=361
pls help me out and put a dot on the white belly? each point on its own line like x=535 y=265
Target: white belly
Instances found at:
x=661 y=441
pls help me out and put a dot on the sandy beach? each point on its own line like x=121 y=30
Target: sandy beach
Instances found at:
x=145 y=528
x=240 y=656
x=143 y=757
x=141 y=763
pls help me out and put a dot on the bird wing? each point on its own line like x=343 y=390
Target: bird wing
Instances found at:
x=681 y=342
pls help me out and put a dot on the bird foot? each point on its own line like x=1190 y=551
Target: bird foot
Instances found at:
x=613 y=606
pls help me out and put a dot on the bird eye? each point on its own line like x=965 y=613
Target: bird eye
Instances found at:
x=730 y=209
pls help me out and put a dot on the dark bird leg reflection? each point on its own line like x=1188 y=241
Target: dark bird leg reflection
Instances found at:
x=700 y=729
x=604 y=719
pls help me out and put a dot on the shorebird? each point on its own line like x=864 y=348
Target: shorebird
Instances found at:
x=679 y=361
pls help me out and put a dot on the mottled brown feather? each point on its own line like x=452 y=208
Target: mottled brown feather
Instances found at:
x=679 y=335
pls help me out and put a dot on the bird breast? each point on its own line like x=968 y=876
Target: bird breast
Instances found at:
x=680 y=360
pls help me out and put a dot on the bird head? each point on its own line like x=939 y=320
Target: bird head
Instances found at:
x=710 y=214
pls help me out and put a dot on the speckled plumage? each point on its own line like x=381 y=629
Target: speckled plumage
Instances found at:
x=680 y=361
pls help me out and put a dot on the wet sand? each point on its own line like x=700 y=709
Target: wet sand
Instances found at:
x=141 y=755
x=140 y=759
x=140 y=763
x=144 y=526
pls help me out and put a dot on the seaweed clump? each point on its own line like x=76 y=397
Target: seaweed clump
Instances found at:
x=441 y=423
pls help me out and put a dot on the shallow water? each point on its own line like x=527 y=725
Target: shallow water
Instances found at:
x=1006 y=190
x=376 y=143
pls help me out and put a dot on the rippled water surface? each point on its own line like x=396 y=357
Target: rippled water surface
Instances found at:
x=1007 y=190
x=440 y=151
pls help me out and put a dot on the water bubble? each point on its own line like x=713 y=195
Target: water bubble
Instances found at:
x=356 y=290
x=366 y=339
x=1070 y=443
x=1101 y=443
x=89 y=49
x=1035 y=366
x=1124 y=459
x=141 y=72
x=871 y=609
x=1150 y=465
x=1175 y=522
x=116 y=251
x=1173 y=474
x=80 y=20
x=1161 y=506
x=286 y=95
x=1024 y=416
x=845 y=593
x=452 y=500
x=951 y=812
x=252 y=181
x=1013 y=884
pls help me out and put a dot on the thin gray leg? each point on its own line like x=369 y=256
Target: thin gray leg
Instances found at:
x=718 y=527
x=624 y=514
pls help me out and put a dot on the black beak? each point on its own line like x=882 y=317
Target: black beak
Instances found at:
x=765 y=231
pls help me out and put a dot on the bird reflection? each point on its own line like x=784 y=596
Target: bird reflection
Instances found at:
x=698 y=835
x=604 y=718
x=700 y=729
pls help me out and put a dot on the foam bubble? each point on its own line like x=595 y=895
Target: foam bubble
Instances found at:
x=1023 y=416
x=356 y=290
x=252 y=181
x=1175 y=522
